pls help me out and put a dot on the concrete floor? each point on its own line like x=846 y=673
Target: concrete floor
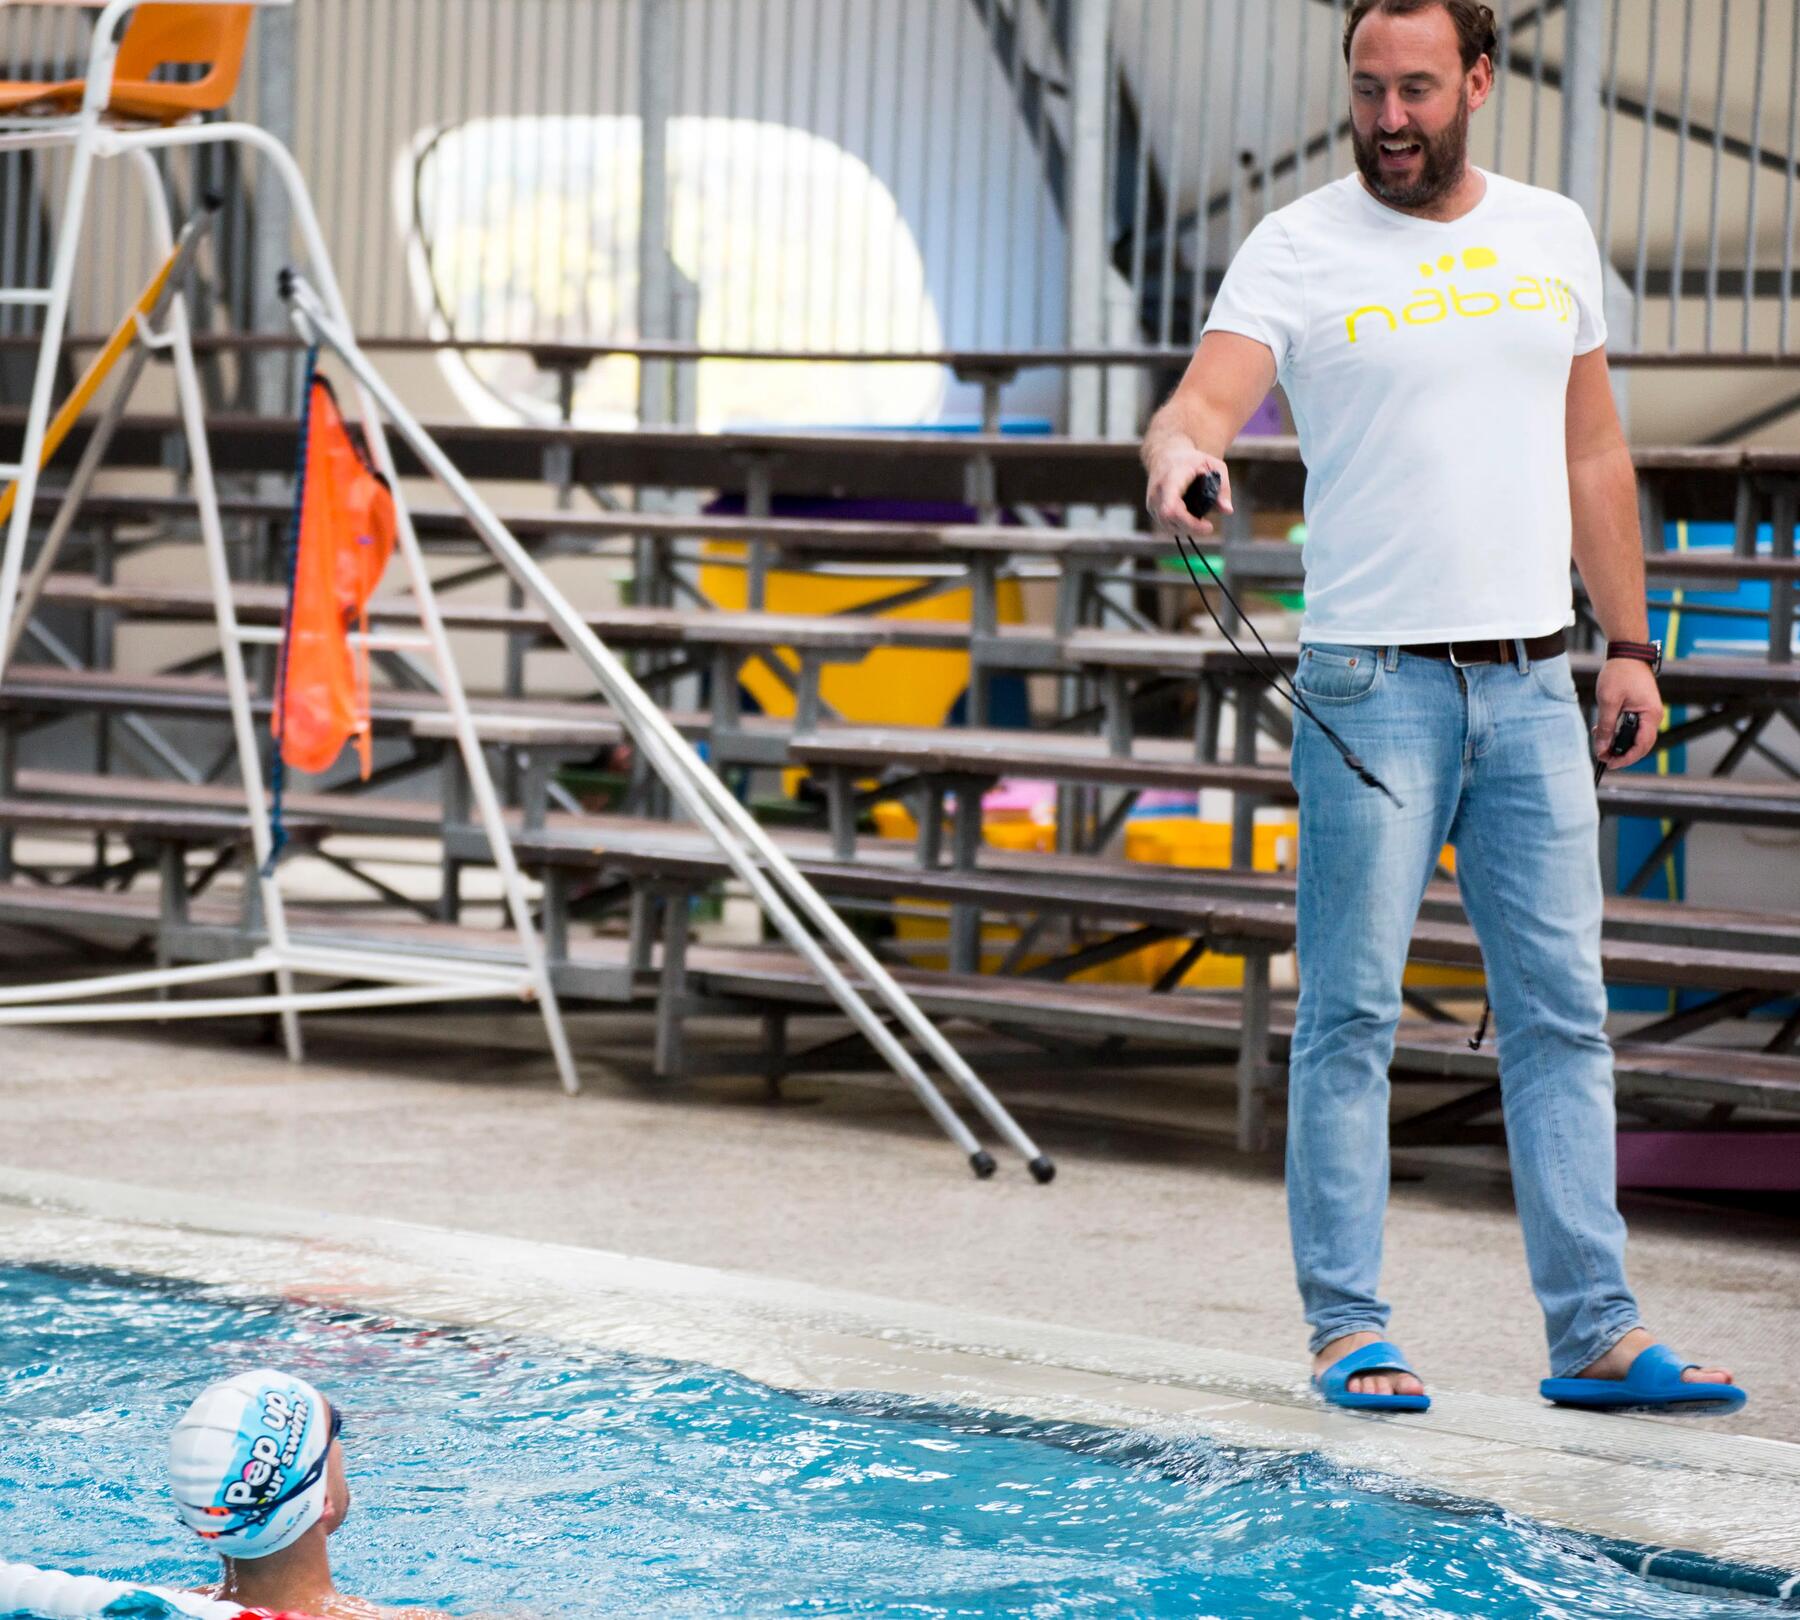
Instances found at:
x=1150 y=1228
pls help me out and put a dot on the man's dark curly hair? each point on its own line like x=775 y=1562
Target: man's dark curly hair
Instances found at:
x=1476 y=29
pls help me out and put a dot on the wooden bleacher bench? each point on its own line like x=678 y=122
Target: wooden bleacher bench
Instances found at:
x=816 y=539
x=159 y=833
x=48 y=689
x=1751 y=965
x=546 y=734
x=559 y=729
x=722 y=642
x=982 y=469
x=1072 y=757
x=810 y=539
x=1174 y=902
x=776 y=982
x=346 y=813
x=683 y=853
x=967 y=762
x=1152 y=763
x=965 y=468
x=983 y=757
x=936 y=467
x=578 y=841
x=1682 y=679
x=1625 y=917
x=1279 y=562
x=849 y=635
x=32 y=689
x=148 y=820
x=1644 y=1071
x=1241 y=911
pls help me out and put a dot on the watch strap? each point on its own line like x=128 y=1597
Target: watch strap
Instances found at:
x=1645 y=652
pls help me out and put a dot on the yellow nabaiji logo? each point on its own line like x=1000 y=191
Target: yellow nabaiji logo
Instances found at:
x=1431 y=304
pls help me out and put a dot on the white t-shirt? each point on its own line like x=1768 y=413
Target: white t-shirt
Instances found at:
x=1427 y=366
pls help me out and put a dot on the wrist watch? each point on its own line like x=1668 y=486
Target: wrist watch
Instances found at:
x=1645 y=652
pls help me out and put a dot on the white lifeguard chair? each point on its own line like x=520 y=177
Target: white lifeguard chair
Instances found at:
x=121 y=110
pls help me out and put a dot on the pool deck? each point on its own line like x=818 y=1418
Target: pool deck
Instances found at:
x=834 y=1242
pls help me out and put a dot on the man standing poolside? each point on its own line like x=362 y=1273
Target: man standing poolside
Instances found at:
x=1439 y=333
x=257 y=1471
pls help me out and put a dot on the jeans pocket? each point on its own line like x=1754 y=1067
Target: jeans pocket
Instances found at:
x=1555 y=679
x=1334 y=674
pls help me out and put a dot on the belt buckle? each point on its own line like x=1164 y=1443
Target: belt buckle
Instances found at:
x=1499 y=646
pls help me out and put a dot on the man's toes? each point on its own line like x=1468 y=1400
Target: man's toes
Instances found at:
x=1706 y=1375
x=1386 y=1384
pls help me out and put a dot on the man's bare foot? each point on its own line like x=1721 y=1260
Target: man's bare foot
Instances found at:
x=1617 y=1362
x=1371 y=1383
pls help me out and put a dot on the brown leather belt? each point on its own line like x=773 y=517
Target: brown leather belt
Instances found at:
x=1490 y=652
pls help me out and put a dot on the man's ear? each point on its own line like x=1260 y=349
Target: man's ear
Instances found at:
x=1481 y=84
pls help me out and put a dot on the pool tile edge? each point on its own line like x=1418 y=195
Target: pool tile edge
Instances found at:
x=1731 y=1503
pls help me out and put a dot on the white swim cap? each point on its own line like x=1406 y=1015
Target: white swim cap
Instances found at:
x=247 y=1463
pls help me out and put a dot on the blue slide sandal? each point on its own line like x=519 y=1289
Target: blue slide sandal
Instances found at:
x=1381 y=1356
x=1653 y=1382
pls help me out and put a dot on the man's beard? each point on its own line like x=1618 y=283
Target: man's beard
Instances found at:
x=1442 y=159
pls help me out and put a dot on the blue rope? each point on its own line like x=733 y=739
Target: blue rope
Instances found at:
x=277 y=766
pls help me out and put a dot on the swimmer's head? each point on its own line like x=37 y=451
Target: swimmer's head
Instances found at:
x=254 y=1465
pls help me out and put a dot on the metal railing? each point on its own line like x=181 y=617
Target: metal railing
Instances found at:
x=898 y=174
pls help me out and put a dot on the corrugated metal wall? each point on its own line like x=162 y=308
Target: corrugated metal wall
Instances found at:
x=892 y=174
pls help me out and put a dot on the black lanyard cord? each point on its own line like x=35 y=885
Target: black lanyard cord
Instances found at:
x=1202 y=495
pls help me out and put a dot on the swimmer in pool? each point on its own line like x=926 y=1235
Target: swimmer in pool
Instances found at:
x=257 y=1471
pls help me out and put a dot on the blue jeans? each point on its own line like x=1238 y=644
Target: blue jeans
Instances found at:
x=1493 y=759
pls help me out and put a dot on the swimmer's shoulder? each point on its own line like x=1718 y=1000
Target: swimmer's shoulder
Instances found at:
x=349 y=1608
x=344 y=1607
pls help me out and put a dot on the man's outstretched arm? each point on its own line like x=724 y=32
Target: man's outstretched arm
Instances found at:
x=1226 y=380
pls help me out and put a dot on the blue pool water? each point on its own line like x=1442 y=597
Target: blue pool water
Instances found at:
x=499 y=1475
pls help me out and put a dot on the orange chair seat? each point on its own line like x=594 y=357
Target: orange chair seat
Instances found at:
x=147 y=102
x=23 y=96
x=157 y=35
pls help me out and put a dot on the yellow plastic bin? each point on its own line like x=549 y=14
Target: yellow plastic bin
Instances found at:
x=1003 y=830
x=1189 y=841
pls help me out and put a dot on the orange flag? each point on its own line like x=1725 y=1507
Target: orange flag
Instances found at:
x=346 y=537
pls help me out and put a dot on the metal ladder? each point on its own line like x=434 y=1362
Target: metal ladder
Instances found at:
x=377 y=976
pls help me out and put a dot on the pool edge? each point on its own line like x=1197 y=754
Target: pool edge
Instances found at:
x=1519 y=1454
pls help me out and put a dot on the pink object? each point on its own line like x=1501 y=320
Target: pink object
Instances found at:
x=1735 y=1161
x=1020 y=796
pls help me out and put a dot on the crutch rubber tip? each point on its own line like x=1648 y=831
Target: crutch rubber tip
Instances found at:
x=1042 y=1170
x=982 y=1163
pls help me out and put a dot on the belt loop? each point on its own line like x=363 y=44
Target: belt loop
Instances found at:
x=1520 y=656
x=1392 y=661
